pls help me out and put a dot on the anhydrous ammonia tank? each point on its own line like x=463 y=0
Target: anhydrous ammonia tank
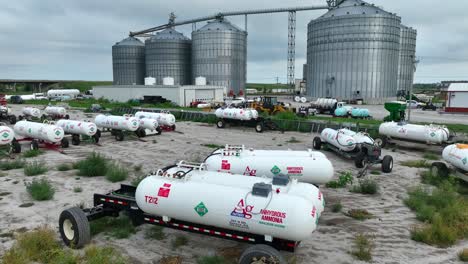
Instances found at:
x=55 y=110
x=31 y=111
x=6 y=135
x=46 y=132
x=325 y=103
x=77 y=127
x=127 y=123
x=420 y=133
x=345 y=139
x=148 y=123
x=306 y=166
x=164 y=119
x=237 y=113
x=457 y=155
x=226 y=201
x=360 y=112
x=341 y=111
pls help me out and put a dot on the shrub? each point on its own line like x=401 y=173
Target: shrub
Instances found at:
x=363 y=246
x=94 y=165
x=336 y=208
x=213 y=146
x=416 y=164
x=103 y=255
x=117 y=227
x=155 y=232
x=343 y=180
x=12 y=165
x=375 y=172
x=35 y=168
x=137 y=167
x=359 y=214
x=64 y=167
x=293 y=140
x=77 y=189
x=179 y=241
x=431 y=156
x=366 y=186
x=210 y=260
x=32 y=153
x=463 y=255
x=40 y=190
x=116 y=173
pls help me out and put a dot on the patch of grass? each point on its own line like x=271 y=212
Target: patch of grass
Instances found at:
x=366 y=186
x=444 y=212
x=375 y=172
x=104 y=255
x=337 y=207
x=32 y=153
x=35 y=168
x=77 y=189
x=359 y=214
x=64 y=167
x=293 y=140
x=344 y=179
x=116 y=173
x=12 y=164
x=135 y=181
x=116 y=227
x=138 y=167
x=155 y=232
x=416 y=163
x=171 y=260
x=463 y=255
x=363 y=246
x=40 y=190
x=179 y=241
x=211 y=260
x=94 y=165
x=431 y=156
x=213 y=146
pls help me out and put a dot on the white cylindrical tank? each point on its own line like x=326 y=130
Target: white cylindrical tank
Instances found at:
x=457 y=155
x=150 y=81
x=127 y=123
x=237 y=113
x=31 y=111
x=55 y=110
x=47 y=132
x=200 y=80
x=148 y=123
x=230 y=204
x=164 y=119
x=70 y=92
x=339 y=139
x=325 y=103
x=297 y=99
x=420 y=133
x=203 y=105
x=168 y=81
x=77 y=127
x=6 y=135
x=303 y=100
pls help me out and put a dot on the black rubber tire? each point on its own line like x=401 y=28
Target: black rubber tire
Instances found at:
x=220 y=124
x=259 y=127
x=64 y=143
x=387 y=164
x=67 y=116
x=259 y=252
x=381 y=141
x=359 y=160
x=439 y=169
x=119 y=135
x=173 y=127
x=141 y=133
x=15 y=146
x=43 y=117
x=80 y=227
x=34 y=144
x=20 y=117
x=96 y=138
x=12 y=119
x=98 y=133
x=76 y=140
x=317 y=143
x=158 y=130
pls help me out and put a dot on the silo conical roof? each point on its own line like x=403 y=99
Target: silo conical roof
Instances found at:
x=130 y=41
x=354 y=7
x=169 y=34
x=220 y=25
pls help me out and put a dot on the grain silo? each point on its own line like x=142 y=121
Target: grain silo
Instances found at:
x=168 y=54
x=353 y=53
x=407 y=58
x=128 y=62
x=219 y=53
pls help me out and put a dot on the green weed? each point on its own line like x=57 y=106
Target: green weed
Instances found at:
x=35 y=168
x=40 y=190
x=344 y=179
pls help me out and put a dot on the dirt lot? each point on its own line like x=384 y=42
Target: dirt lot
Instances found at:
x=329 y=244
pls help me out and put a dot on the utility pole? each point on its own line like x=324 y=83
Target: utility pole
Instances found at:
x=415 y=65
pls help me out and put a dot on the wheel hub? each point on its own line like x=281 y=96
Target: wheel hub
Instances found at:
x=68 y=230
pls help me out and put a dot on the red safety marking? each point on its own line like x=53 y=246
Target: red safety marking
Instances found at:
x=291 y=244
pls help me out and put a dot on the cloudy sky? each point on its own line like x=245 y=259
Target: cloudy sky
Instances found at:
x=69 y=39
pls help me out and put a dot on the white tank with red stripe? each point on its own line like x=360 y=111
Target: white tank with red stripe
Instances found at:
x=55 y=110
x=164 y=119
x=148 y=123
x=244 y=114
x=31 y=111
x=126 y=122
x=457 y=155
x=6 y=135
x=77 y=127
x=226 y=201
x=345 y=139
x=306 y=166
x=421 y=133
x=44 y=131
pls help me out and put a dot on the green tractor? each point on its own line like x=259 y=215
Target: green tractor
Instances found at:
x=397 y=111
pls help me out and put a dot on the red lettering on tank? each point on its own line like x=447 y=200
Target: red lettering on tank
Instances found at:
x=225 y=165
x=151 y=199
x=294 y=170
x=250 y=172
x=314 y=210
x=165 y=190
x=272 y=216
x=241 y=210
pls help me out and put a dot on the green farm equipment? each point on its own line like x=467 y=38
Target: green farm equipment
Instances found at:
x=397 y=111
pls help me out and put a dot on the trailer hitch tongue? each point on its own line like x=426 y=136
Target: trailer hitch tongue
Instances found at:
x=363 y=171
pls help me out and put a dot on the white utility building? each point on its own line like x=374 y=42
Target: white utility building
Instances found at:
x=457 y=98
x=181 y=95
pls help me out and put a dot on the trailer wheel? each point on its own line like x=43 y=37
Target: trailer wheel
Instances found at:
x=20 y=117
x=317 y=143
x=12 y=119
x=15 y=146
x=34 y=145
x=360 y=160
x=387 y=164
x=439 y=169
x=259 y=127
x=64 y=143
x=96 y=138
x=74 y=228
x=220 y=124
x=76 y=140
x=67 y=116
x=261 y=254
x=173 y=127
x=381 y=141
x=158 y=130
x=43 y=117
x=119 y=135
x=141 y=132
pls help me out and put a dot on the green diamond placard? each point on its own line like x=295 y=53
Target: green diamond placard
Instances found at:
x=5 y=135
x=201 y=209
x=275 y=170
x=57 y=132
x=464 y=161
